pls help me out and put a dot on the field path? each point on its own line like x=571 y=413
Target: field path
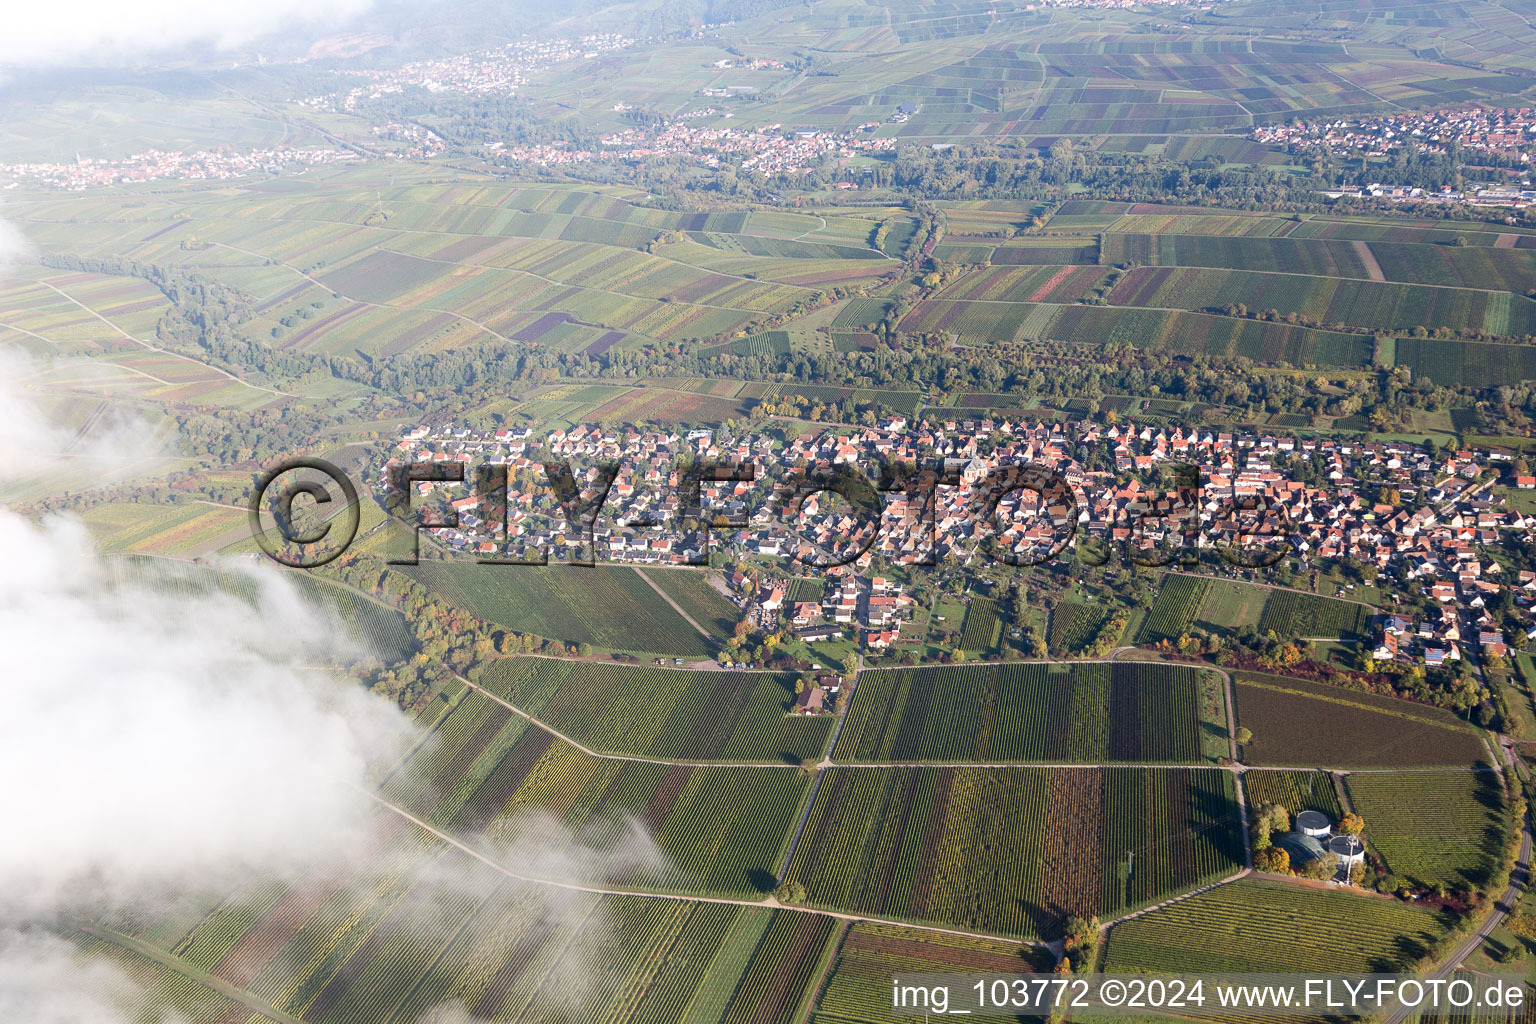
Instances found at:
x=376 y=305
x=562 y=284
x=618 y=757
x=162 y=351
x=675 y=606
x=767 y=902
x=178 y=965
x=1368 y=259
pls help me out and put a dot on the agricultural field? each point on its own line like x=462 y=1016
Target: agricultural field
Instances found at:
x=608 y=606
x=1433 y=827
x=1290 y=613
x=491 y=779
x=858 y=989
x=424 y=930
x=1333 y=301
x=1263 y=926
x=1230 y=606
x=687 y=714
x=1026 y=713
x=1293 y=790
x=1178 y=601
x=377 y=631
x=1074 y=625
x=1027 y=284
x=1011 y=851
x=696 y=594
x=1295 y=722
x=1157 y=330
x=1451 y=266
x=982 y=625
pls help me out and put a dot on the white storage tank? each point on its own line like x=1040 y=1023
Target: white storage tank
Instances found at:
x=1348 y=849
x=1314 y=824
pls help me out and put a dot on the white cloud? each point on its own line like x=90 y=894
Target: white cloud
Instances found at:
x=157 y=735
x=44 y=980
x=31 y=443
x=43 y=34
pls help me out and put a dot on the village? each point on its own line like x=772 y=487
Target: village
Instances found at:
x=158 y=165
x=501 y=70
x=1500 y=130
x=1406 y=514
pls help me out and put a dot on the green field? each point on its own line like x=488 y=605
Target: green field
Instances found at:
x=1293 y=790
x=1295 y=722
x=1027 y=713
x=1178 y=601
x=1434 y=826
x=665 y=713
x=1261 y=926
x=1290 y=613
x=1010 y=851
x=607 y=606
x=858 y=989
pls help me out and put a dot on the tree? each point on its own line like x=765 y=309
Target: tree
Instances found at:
x=1352 y=824
x=790 y=894
x=1244 y=735
x=1272 y=859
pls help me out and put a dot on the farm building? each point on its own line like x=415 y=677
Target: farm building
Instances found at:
x=1314 y=824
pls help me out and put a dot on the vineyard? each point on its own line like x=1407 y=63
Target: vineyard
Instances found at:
x=1435 y=826
x=432 y=931
x=981 y=625
x=695 y=594
x=487 y=776
x=1290 y=613
x=1293 y=790
x=1074 y=626
x=1178 y=601
x=1255 y=926
x=609 y=606
x=647 y=711
x=1343 y=302
x=1295 y=722
x=1029 y=713
x=381 y=631
x=1012 y=851
x=858 y=990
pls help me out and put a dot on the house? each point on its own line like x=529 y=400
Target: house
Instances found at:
x=1386 y=647
x=811 y=700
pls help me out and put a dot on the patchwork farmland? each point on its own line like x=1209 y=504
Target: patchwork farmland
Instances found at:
x=1262 y=926
x=1011 y=851
x=690 y=715
x=1025 y=713
x=1295 y=722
